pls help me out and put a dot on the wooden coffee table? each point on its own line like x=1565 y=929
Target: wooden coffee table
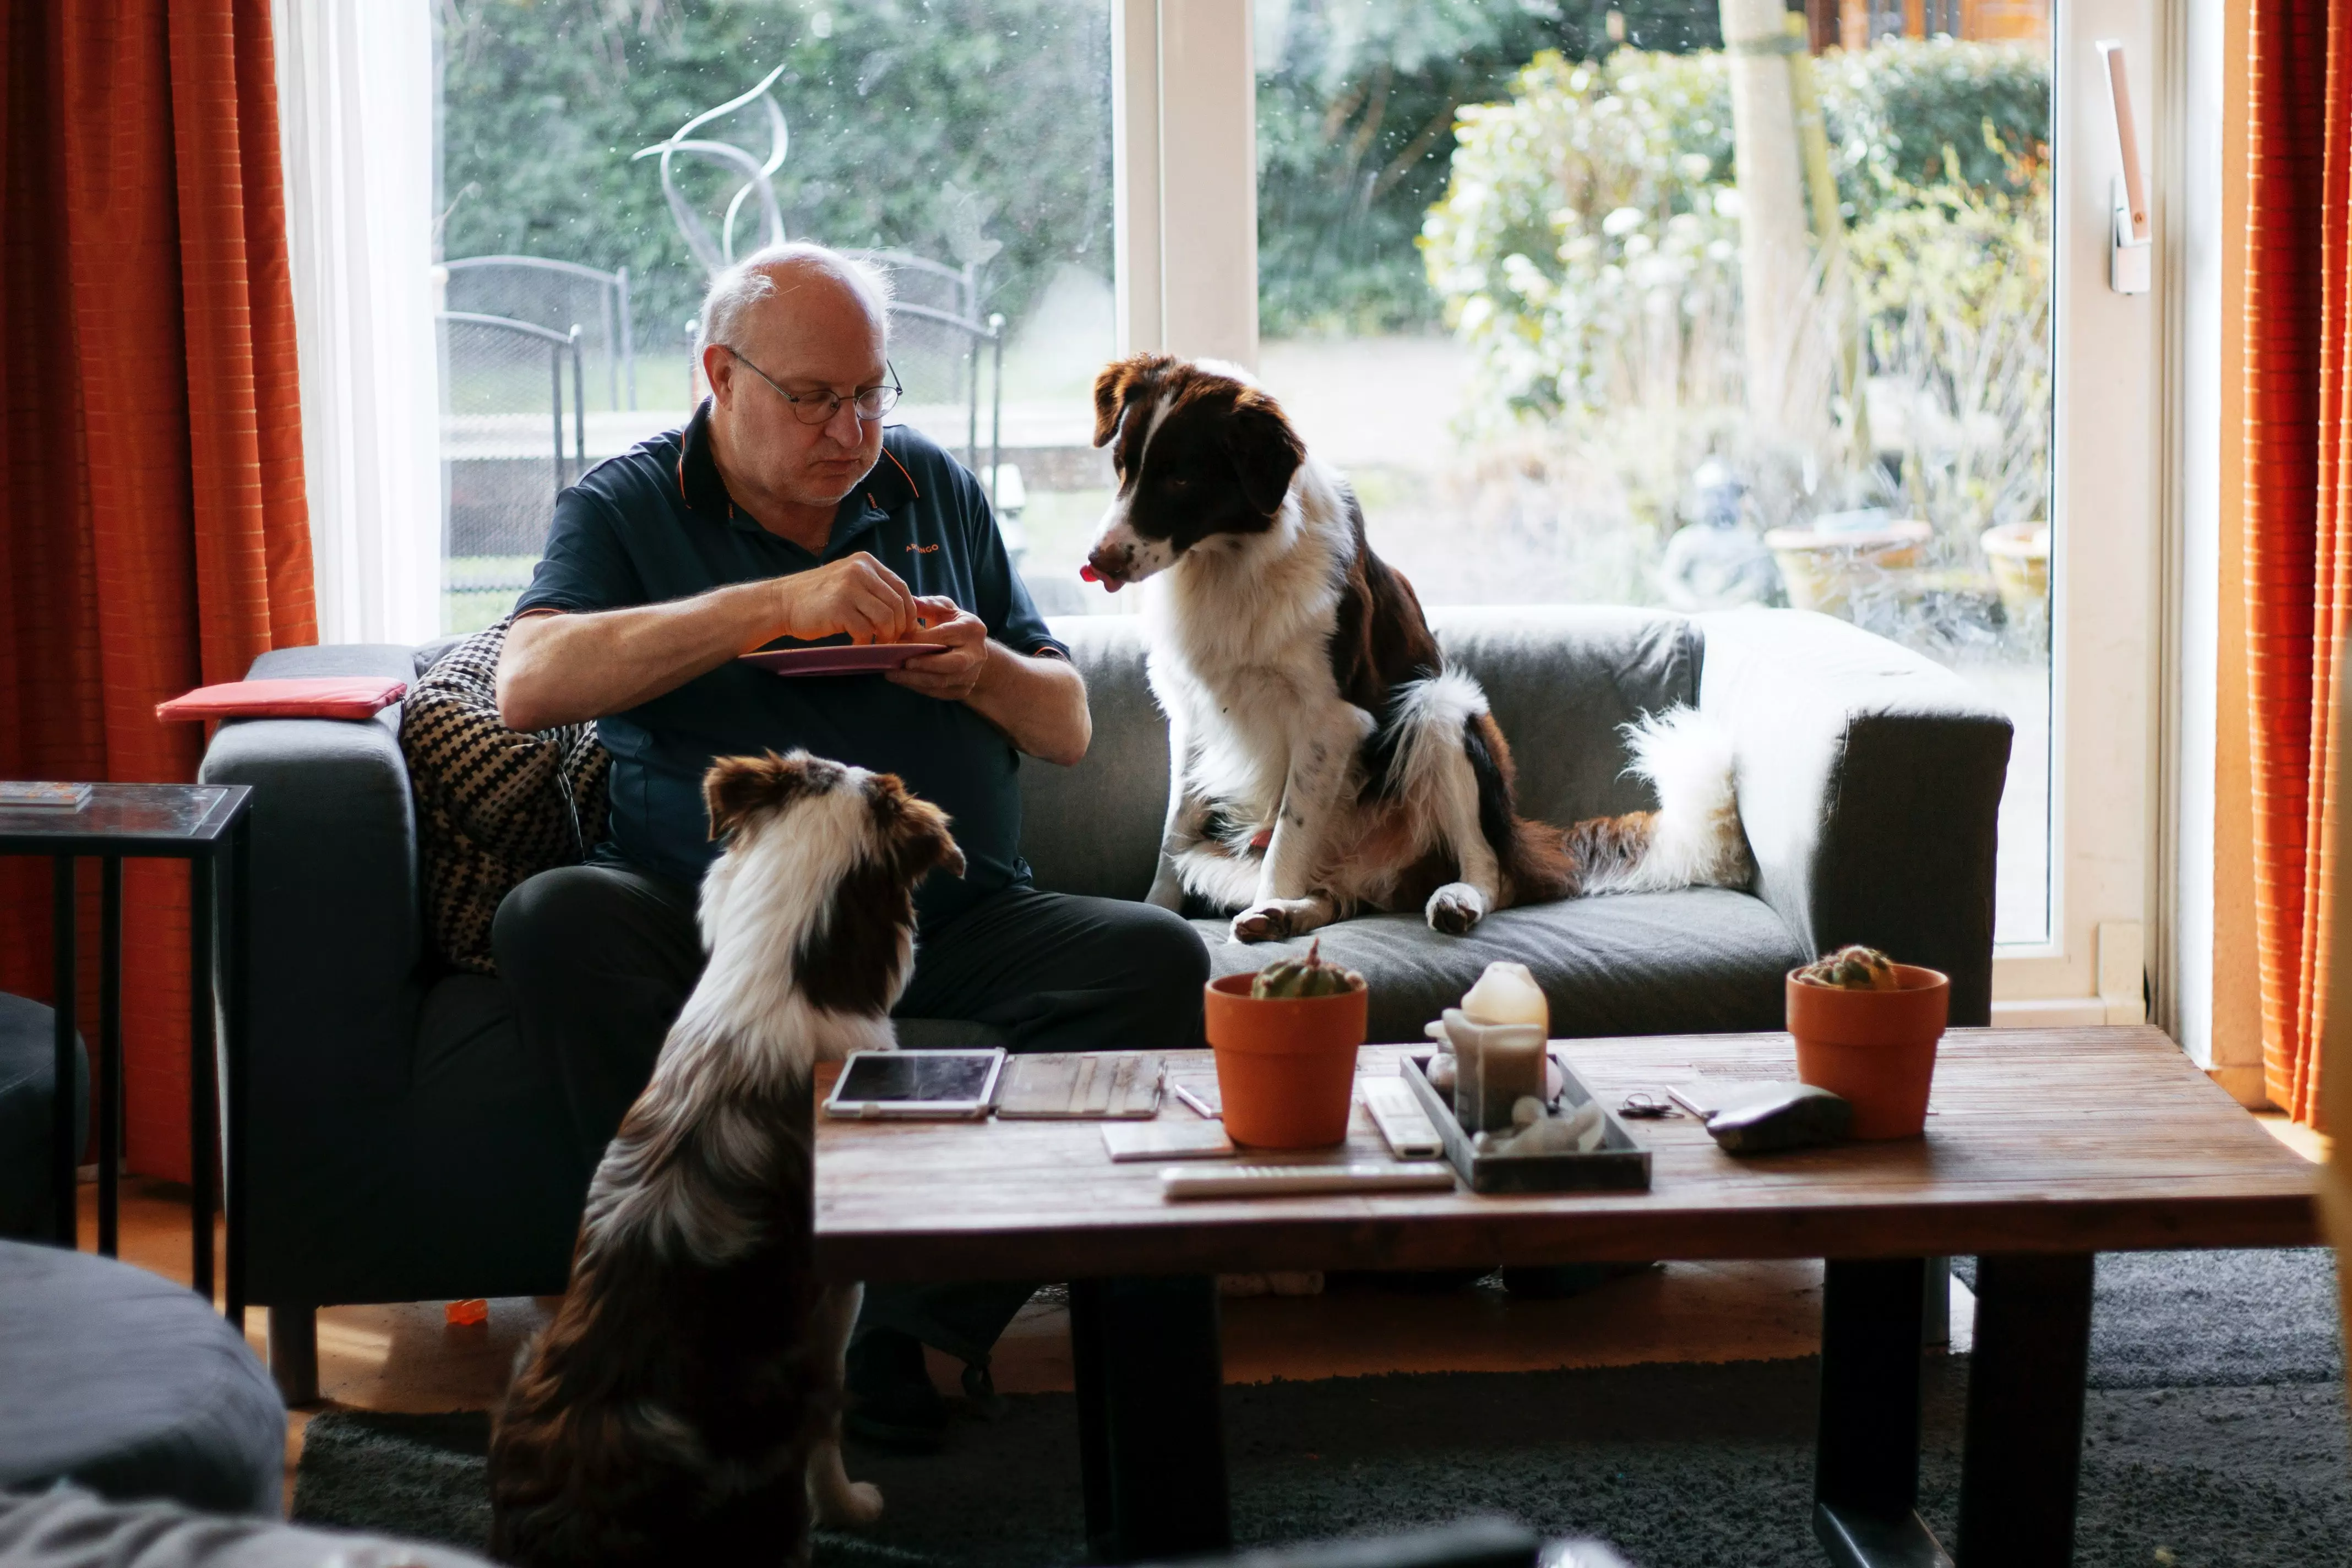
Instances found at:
x=2044 y=1147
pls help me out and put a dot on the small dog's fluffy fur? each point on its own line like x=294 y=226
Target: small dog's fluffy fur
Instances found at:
x=1325 y=759
x=683 y=1406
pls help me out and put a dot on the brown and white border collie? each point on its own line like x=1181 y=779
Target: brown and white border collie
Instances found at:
x=1325 y=758
x=683 y=1406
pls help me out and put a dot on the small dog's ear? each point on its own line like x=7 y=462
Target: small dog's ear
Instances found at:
x=935 y=851
x=736 y=787
x=915 y=830
x=1265 y=450
x=1111 y=388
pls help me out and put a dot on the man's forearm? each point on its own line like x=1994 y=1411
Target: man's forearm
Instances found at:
x=1039 y=702
x=567 y=668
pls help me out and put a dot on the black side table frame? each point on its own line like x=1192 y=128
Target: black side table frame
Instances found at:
x=208 y=825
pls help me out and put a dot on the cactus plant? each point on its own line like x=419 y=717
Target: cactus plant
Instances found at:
x=1854 y=969
x=1307 y=976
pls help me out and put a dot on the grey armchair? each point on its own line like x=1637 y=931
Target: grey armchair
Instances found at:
x=404 y=1145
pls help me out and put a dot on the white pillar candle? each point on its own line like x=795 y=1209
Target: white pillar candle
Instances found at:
x=1511 y=1056
x=1507 y=993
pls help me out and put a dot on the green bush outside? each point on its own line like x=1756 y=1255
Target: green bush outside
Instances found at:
x=1356 y=108
x=1595 y=211
x=912 y=122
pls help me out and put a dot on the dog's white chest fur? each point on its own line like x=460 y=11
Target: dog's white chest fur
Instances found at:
x=1240 y=649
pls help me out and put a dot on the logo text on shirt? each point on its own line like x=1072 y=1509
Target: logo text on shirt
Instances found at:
x=920 y=549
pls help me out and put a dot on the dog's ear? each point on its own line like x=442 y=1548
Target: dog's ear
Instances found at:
x=913 y=830
x=1265 y=449
x=736 y=788
x=1113 y=385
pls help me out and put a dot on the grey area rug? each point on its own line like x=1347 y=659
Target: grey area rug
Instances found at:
x=2215 y=1433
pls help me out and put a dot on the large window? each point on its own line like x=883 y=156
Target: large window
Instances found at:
x=964 y=145
x=1515 y=276
x=1591 y=303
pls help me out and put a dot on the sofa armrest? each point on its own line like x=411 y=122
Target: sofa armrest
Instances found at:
x=336 y=934
x=1870 y=782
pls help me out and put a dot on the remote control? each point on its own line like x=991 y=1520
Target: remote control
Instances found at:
x=1287 y=1181
x=1402 y=1120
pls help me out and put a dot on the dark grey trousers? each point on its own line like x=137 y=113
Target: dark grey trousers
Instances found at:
x=599 y=959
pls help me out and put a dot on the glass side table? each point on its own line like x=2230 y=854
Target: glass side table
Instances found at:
x=207 y=825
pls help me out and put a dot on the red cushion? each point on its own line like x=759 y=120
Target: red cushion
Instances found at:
x=310 y=697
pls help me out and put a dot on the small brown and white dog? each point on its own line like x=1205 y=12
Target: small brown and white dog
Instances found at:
x=684 y=1405
x=1325 y=758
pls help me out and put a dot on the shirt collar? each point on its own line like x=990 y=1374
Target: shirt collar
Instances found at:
x=886 y=487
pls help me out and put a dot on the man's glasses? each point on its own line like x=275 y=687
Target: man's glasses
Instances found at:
x=819 y=408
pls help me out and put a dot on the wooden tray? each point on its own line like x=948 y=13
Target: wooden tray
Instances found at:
x=1620 y=1164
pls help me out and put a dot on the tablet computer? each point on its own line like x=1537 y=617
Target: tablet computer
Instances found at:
x=937 y=1086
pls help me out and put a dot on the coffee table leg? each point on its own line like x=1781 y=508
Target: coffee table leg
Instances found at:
x=2024 y=1442
x=1151 y=1440
x=1866 y=1466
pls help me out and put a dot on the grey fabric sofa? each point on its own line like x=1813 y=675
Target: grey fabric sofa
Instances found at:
x=403 y=1147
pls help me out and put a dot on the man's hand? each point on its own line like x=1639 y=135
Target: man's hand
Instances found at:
x=856 y=594
x=1037 y=700
x=952 y=673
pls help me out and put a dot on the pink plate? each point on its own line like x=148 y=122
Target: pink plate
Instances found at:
x=866 y=660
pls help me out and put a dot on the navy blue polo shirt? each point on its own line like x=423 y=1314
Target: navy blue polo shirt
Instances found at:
x=657 y=524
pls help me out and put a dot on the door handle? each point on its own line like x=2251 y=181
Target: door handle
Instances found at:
x=2130 y=258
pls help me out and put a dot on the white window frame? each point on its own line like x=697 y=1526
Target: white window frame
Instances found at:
x=1186 y=198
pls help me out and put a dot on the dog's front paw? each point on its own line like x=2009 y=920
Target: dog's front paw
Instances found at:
x=1266 y=923
x=852 y=1507
x=1455 y=908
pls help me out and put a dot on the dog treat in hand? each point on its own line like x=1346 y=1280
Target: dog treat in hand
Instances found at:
x=1307 y=976
x=1852 y=969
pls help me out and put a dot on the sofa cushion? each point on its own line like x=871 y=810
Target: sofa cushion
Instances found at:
x=1699 y=960
x=1095 y=828
x=494 y=806
x=1562 y=681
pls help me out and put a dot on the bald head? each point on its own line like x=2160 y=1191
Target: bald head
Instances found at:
x=787 y=283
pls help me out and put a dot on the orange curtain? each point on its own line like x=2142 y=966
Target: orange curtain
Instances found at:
x=155 y=535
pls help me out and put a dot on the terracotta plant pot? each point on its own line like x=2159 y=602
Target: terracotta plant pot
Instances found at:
x=1285 y=1065
x=1874 y=1048
x=1825 y=567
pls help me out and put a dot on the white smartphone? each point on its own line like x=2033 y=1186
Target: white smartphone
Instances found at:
x=929 y=1085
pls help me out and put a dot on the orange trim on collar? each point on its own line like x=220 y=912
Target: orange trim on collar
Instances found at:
x=902 y=469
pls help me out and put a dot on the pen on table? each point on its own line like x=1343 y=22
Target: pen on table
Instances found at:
x=1194 y=1101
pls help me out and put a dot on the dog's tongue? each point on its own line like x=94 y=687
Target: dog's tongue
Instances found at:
x=1088 y=574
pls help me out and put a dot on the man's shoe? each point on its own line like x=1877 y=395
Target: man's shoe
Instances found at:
x=891 y=1400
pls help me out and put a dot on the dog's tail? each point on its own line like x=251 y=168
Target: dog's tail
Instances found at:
x=1694 y=839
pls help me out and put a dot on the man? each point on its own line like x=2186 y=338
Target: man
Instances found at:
x=785 y=509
